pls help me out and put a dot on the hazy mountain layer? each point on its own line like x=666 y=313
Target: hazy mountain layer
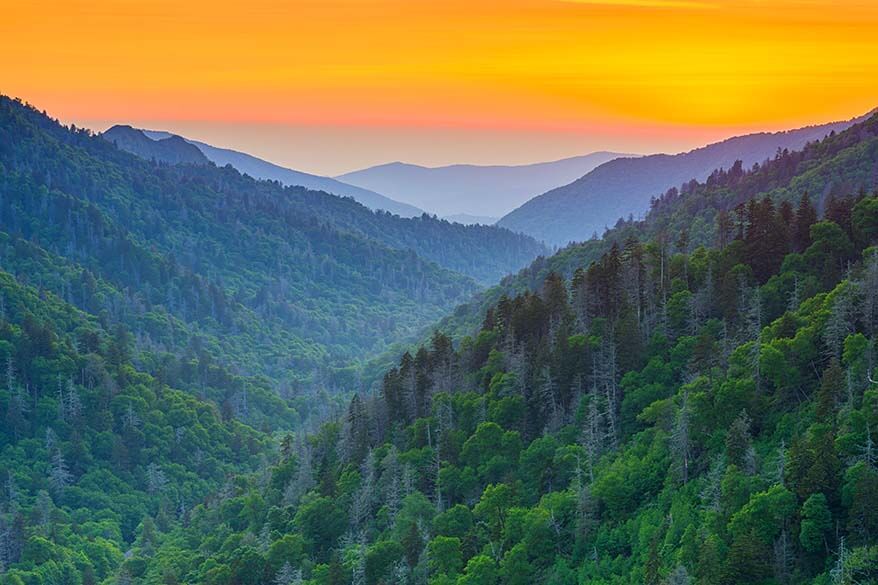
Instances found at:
x=625 y=186
x=261 y=169
x=472 y=189
x=281 y=281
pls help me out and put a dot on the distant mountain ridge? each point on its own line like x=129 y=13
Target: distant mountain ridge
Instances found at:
x=156 y=144
x=286 y=282
x=625 y=186
x=489 y=190
x=171 y=149
x=467 y=219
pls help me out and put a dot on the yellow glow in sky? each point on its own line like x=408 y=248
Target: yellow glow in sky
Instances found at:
x=636 y=75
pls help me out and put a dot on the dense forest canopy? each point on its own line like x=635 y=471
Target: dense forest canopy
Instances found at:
x=662 y=417
x=690 y=399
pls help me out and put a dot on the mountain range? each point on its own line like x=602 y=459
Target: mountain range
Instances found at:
x=624 y=187
x=477 y=190
x=689 y=398
x=281 y=281
x=171 y=148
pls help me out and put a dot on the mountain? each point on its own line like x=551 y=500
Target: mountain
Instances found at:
x=839 y=165
x=170 y=149
x=624 y=186
x=255 y=167
x=472 y=189
x=689 y=406
x=94 y=448
x=293 y=284
x=467 y=219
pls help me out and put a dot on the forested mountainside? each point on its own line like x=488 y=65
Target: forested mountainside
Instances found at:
x=662 y=417
x=688 y=400
x=272 y=280
x=487 y=190
x=262 y=169
x=623 y=187
x=97 y=456
x=840 y=165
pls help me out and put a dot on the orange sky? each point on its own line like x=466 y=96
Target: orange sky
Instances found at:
x=328 y=85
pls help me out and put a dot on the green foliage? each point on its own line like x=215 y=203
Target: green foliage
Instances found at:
x=539 y=459
x=816 y=523
x=671 y=412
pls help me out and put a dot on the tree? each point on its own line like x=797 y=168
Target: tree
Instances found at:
x=764 y=515
x=859 y=495
x=830 y=390
x=681 y=446
x=865 y=222
x=739 y=447
x=321 y=522
x=445 y=556
x=806 y=216
x=679 y=576
x=412 y=544
x=288 y=576
x=358 y=575
x=816 y=524
x=382 y=558
x=156 y=480
x=303 y=481
x=59 y=475
x=355 y=433
x=289 y=549
x=492 y=509
x=480 y=570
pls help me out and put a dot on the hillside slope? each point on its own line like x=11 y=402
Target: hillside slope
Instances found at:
x=262 y=169
x=673 y=413
x=95 y=453
x=625 y=186
x=473 y=189
x=840 y=165
x=281 y=281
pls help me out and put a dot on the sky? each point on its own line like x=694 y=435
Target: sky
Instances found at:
x=329 y=86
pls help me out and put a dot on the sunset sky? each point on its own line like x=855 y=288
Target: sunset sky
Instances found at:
x=331 y=85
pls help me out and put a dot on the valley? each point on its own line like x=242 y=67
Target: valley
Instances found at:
x=215 y=376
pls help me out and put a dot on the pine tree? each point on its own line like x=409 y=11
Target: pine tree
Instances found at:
x=391 y=479
x=830 y=389
x=59 y=475
x=739 y=445
x=288 y=576
x=783 y=557
x=156 y=480
x=681 y=441
x=679 y=576
x=303 y=481
x=358 y=576
x=839 y=325
x=806 y=216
